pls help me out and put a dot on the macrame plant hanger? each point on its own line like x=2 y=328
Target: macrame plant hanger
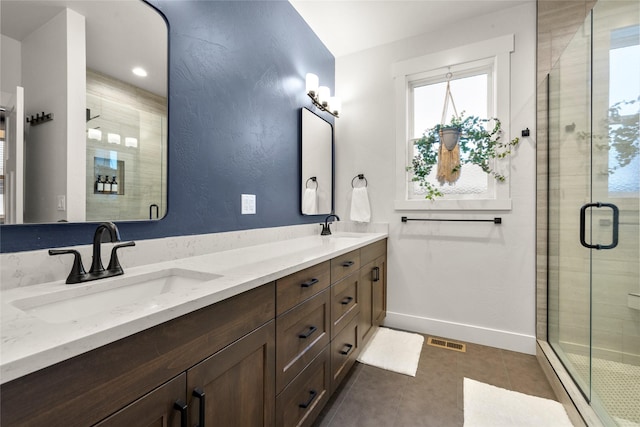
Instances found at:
x=449 y=150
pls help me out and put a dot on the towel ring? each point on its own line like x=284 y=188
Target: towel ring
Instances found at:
x=314 y=179
x=359 y=176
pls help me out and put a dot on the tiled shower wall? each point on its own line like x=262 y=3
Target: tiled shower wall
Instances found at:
x=557 y=23
x=613 y=330
x=127 y=111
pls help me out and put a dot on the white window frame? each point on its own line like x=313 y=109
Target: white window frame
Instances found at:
x=407 y=73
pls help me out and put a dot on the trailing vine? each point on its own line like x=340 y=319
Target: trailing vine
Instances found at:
x=480 y=143
x=624 y=131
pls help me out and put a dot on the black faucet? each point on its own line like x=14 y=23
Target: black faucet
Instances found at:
x=114 y=236
x=326 y=231
x=97 y=271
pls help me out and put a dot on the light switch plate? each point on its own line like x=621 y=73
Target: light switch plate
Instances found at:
x=62 y=203
x=248 y=204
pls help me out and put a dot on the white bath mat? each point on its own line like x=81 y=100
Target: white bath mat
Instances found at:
x=393 y=350
x=489 y=406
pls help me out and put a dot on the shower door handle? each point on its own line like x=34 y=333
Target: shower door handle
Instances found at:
x=614 y=231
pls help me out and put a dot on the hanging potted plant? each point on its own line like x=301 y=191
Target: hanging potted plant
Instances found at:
x=479 y=142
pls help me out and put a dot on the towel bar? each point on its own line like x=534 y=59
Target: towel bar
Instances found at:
x=496 y=220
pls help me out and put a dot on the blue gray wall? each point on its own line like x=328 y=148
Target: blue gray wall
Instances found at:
x=236 y=87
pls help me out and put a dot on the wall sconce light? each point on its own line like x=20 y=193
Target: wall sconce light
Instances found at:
x=321 y=96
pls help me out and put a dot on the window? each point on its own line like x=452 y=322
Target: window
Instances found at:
x=624 y=94
x=480 y=87
x=471 y=92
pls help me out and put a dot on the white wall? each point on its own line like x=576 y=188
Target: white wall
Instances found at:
x=55 y=85
x=10 y=68
x=466 y=281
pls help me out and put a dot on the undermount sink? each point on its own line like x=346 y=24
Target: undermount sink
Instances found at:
x=340 y=235
x=80 y=301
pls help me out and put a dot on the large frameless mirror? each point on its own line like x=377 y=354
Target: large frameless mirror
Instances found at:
x=83 y=111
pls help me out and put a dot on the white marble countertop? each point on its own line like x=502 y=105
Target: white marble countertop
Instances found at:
x=30 y=343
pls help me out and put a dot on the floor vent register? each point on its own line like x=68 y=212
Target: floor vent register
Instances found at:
x=449 y=345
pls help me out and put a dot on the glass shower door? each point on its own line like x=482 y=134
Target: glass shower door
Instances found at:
x=615 y=273
x=569 y=293
x=594 y=204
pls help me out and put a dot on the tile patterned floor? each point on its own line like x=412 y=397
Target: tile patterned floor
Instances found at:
x=372 y=397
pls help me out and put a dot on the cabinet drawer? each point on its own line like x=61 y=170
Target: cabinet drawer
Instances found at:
x=345 y=303
x=301 y=402
x=344 y=351
x=297 y=287
x=301 y=333
x=344 y=265
x=373 y=251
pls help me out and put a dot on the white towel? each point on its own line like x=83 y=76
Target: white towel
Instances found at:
x=360 y=209
x=310 y=202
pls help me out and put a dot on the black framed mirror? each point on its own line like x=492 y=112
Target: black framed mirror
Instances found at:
x=84 y=130
x=317 y=165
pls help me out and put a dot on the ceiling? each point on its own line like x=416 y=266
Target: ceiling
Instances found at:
x=116 y=42
x=347 y=26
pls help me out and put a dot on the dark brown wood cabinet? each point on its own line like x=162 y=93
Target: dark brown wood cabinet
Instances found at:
x=269 y=356
x=91 y=387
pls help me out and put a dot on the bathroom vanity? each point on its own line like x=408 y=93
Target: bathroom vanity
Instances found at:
x=267 y=345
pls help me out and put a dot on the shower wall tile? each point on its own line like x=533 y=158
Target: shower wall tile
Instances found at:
x=557 y=22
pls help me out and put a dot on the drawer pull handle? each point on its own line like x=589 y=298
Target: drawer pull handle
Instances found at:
x=346 y=301
x=312 y=396
x=179 y=405
x=309 y=283
x=376 y=274
x=348 y=348
x=347 y=263
x=310 y=331
x=199 y=394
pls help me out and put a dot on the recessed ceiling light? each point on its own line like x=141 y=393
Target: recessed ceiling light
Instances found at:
x=139 y=71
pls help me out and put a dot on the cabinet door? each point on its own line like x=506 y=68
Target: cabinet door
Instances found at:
x=366 y=304
x=379 y=291
x=160 y=408
x=236 y=386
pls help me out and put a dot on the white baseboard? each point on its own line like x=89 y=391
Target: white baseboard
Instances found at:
x=475 y=334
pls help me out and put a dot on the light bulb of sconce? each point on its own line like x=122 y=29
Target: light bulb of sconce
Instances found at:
x=139 y=71
x=94 y=134
x=113 y=138
x=335 y=105
x=323 y=95
x=312 y=83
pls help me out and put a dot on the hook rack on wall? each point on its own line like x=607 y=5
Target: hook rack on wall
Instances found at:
x=39 y=119
x=314 y=179
x=360 y=176
x=496 y=220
